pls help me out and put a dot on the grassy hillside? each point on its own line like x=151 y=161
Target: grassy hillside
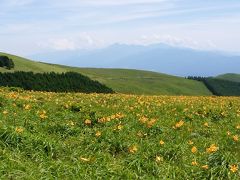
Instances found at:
x=230 y=77
x=22 y=64
x=122 y=80
x=222 y=87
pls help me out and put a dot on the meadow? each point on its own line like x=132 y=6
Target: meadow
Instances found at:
x=115 y=136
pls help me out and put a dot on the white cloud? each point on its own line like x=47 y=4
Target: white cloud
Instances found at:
x=77 y=41
x=62 y=44
x=175 y=41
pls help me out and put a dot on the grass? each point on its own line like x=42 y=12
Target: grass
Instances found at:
x=122 y=80
x=230 y=77
x=98 y=136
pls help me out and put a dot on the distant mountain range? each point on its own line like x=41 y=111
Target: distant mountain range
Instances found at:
x=157 y=57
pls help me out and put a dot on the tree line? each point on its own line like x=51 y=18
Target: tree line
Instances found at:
x=53 y=82
x=219 y=87
x=6 y=62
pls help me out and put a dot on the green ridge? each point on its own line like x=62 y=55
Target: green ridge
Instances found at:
x=230 y=77
x=121 y=80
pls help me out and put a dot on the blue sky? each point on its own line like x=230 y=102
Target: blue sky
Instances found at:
x=37 y=26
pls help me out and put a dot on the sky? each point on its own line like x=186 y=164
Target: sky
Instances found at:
x=31 y=27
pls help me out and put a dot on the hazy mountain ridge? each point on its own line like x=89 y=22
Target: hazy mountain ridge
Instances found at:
x=156 y=57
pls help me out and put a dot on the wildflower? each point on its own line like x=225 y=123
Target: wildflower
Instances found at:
x=194 y=149
x=84 y=159
x=158 y=159
x=5 y=112
x=194 y=163
x=66 y=106
x=235 y=138
x=238 y=126
x=27 y=107
x=212 y=148
x=161 y=142
x=179 y=124
x=234 y=168
x=88 y=122
x=205 y=167
x=133 y=149
x=151 y=123
x=19 y=130
x=228 y=133
x=98 y=134
x=143 y=120
x=206 y=124
x=119 y=127
x=71 y=123
x=43 y=116
x=190 y=142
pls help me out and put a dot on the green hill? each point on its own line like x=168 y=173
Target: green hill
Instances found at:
x=121 y=80
x=229 y=77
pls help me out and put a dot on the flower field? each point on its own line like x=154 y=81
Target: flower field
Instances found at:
x=113 y=136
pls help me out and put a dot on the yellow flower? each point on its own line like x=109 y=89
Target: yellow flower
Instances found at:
x=98 y=134
x=143 y=119
x=205 y=167
x=212 y=148
x=70 y=123
x=234 y=168
x=27 y=107
x=5 y=112
x=194 y=149
x=133 y=149
x=119 y=127
x=19 y=130
x=66 y=106
x=158 y=159
x=206 y=124
x=43 y=115
x=194 y=163
x=88 y=122
x=179 y=124
x=84 y=159
x=190 y=142
x=228 y=133
x=151 y=123
x=235 y=138
x=161 y=142
x=238 y=126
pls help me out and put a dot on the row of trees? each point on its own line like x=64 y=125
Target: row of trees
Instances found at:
x=6 y=62
x=219 y=87
x=64 y=82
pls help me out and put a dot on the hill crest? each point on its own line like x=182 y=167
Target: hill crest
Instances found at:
x=121 y=80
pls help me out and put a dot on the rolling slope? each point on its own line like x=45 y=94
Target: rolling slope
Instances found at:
x=230 y=77
x=121 y=80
